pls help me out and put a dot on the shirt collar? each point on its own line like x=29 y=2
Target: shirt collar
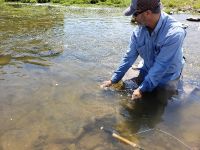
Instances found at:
x=159 y=24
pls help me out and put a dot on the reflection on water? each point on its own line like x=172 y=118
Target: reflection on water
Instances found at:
x=5 y=59
x=52 y=61
x=26 y=35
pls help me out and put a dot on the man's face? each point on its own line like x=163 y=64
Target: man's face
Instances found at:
x=140 y=17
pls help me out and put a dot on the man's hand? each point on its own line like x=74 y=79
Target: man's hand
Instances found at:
x=136 y=94
x=106 y=84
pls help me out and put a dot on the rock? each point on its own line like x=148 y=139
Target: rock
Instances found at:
x=195 y=19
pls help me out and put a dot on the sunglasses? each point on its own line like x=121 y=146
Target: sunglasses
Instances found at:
x=138 y=12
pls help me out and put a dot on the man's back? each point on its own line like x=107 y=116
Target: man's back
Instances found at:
x=162 y=48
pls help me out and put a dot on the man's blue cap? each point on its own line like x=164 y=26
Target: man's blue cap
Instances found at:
x=141 y=5
x=131 y=9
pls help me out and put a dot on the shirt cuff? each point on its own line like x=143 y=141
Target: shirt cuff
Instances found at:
x=114 y=79
x=142 y=87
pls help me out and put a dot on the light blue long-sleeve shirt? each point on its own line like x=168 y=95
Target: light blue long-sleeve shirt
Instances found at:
x=161 y=52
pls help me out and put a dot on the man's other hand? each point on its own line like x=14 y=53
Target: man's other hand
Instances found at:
x=136 y=94
x=106 y=84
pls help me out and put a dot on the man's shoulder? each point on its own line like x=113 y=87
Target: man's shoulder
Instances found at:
x=172 y=24
x=176 y=28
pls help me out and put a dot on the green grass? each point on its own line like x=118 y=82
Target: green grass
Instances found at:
x=1 y=2
x=168 y=4
x=194 y=4
x=117 y=3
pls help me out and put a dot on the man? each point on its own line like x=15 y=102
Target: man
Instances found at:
x=158 y=40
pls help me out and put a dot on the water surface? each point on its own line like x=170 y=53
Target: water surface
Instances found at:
x=52 y=61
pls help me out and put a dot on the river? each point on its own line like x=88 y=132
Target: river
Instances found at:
x=52 y=61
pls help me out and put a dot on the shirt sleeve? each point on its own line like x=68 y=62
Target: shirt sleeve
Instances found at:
x=168 y=54
x=127 y=61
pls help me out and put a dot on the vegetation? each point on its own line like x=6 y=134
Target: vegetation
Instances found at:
x=119 y=3
x=168 y=4
x=182 y=4
x=1 y=2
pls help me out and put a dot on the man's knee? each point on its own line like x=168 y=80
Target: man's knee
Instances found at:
x=165 y=92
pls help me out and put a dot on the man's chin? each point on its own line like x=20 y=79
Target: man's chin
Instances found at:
x=133 y=21
x=140 y=24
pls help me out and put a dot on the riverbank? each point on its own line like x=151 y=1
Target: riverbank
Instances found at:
x=173 y=6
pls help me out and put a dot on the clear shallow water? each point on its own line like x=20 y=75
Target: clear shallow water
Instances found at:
x=52 y=61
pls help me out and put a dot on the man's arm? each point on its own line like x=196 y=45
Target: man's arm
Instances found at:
x=127 y=61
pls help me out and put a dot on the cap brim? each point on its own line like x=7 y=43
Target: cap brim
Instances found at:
x=129 y=11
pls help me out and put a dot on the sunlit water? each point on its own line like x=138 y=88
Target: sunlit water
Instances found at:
x=52 y=61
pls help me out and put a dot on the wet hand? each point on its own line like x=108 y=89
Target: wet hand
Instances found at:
x=136 y=94
x=106 y=84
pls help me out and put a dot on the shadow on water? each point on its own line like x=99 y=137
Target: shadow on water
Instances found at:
x=141 y=114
